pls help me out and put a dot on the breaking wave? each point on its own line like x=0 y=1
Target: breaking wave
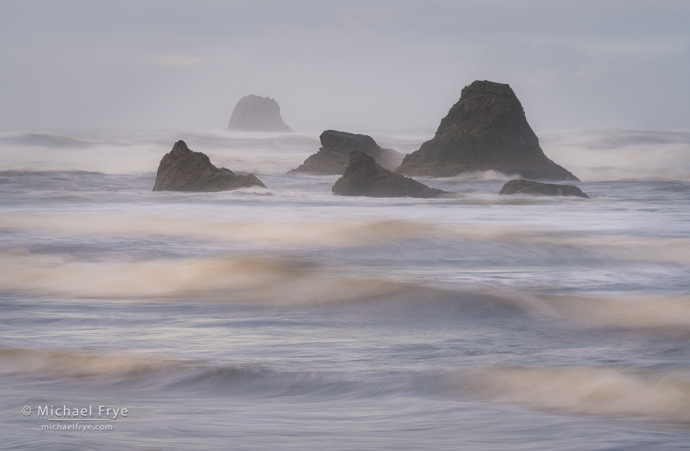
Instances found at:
x=662 y=395
x=603 y=391
x=350 y=234
x=621 y=154
x=146 y=372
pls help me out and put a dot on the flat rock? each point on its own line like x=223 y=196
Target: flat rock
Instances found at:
x=541 y=189
x=485 y=130
x=257 y=114
x=365 y=177
x=333 y=156
x=184 y=170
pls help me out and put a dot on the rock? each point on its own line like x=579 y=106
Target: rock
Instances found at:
x=486 y=130
x=257 y=114
x=365 y=177
x=184 y=170
x=541 y=189
x=332 y=157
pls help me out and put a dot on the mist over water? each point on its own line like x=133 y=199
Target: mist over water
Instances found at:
x=289 y=318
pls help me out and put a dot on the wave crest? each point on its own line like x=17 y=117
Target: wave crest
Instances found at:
x=604 y=391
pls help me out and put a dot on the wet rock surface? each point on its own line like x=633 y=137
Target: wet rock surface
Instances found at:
x=184 y=170
x=485 y=130
x=541 y=189
x=364 y=177
x=333 y=156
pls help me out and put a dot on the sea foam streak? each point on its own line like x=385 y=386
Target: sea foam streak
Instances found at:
x=609 y=391
x=60 y=363
x=347 y=233
x=242 y=279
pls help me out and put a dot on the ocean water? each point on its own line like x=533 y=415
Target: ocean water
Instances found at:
x=287 y=318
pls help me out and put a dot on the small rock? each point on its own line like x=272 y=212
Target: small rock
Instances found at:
x=333 y=156
x=541 y=189
x=364 y=177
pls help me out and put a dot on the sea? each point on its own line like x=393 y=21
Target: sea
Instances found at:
x=288 y=318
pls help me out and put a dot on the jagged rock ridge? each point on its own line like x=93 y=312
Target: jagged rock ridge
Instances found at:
x=485 y=130
x=364 y=177
x=257 y=114
x=541 y=189
x=333 y=156
x=184 y=170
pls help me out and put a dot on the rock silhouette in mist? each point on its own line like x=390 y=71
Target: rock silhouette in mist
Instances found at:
x=184 y=170
x=257 y=114
x=333 y=156
x=541 y=189
x=365 y=177
x=486 y=130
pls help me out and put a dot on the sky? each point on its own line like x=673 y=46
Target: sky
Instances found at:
x=347 y=65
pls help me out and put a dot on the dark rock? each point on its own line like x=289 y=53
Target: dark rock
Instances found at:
x=365 y=177
x=332 y=157
x=257 y=114
x=541 y=189
x=184 y=170
x=486 y=130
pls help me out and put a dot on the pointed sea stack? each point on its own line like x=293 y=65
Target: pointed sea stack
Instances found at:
x=333 y=156
x=541 y=189
x=257 y=114
x=486 y=130
x=184 y=170
x=365 y=177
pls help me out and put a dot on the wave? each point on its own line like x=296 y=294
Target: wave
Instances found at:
x=147 y=372
x=256 y=281
x=608 y=155
x=57 y=363
x=661 y=395
x=45 y=140
x=592 y=155
x=667 y=314
x=234 y=279
x=356 y=234
x=603 y=391
x=289 y=282
x=129 y=152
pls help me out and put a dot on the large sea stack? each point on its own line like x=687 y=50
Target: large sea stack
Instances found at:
x=184 y=170
x=257 y=114
x=364 y=177
x=486 y=130
x=333 y=156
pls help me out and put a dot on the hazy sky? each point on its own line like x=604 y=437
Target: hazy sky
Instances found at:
x=349 y=65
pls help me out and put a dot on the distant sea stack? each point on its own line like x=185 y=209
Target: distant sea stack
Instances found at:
x=541 y=189
x=486 y=130
x=257 y=114
x=184 y=170
x=364 y=177
x=333 y=156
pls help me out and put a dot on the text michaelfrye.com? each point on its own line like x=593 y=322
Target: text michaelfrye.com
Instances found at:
x=76 y=419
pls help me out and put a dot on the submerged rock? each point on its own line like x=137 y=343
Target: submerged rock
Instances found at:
x=184 y=170
x=333 y=156
x=486 y=130
x=364 y=177
x=541 y=189
x=257 y=114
